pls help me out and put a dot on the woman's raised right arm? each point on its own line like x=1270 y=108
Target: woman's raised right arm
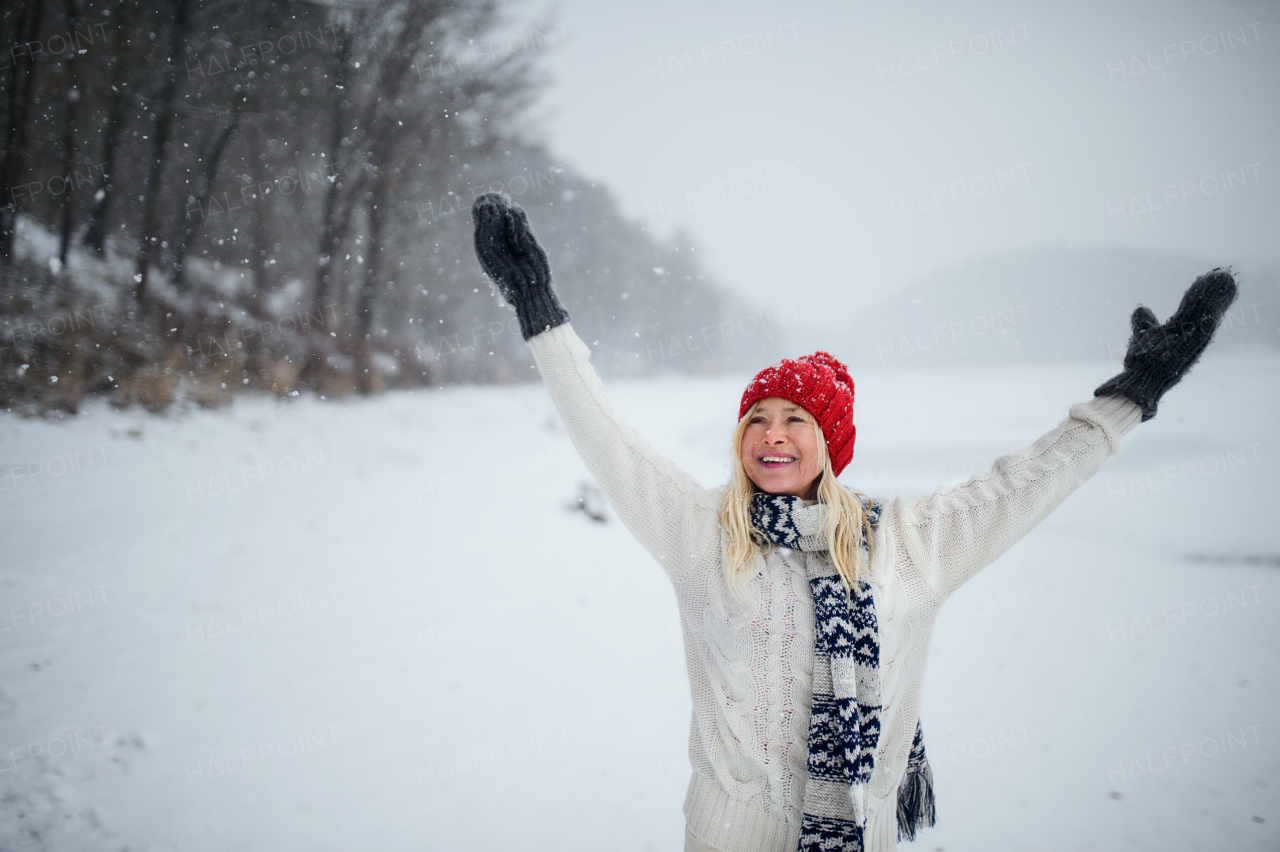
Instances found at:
x=672 y=516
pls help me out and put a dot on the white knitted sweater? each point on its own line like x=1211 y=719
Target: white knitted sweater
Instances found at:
x=750 y=663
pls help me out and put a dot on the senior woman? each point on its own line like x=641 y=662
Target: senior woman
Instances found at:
x=807 y=608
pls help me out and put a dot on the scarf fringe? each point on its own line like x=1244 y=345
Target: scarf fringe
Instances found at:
x=915 y=795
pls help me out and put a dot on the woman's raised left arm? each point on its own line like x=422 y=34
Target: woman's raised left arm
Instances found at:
x=953 y=533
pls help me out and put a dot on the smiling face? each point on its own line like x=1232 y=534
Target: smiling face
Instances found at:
x=780 y=448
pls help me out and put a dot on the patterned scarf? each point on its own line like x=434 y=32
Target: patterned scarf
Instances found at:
x=844 y=722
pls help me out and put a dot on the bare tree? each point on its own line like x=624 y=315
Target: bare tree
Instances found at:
x=118 y=96
x=345 y=31
x=21 y=93
x=69 y=135
x=400 y=120
x=208 y=173
x=166 y=107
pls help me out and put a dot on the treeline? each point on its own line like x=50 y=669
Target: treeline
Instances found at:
x=200 y=198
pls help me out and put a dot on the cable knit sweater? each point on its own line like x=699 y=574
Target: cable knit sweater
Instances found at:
x=750 y=663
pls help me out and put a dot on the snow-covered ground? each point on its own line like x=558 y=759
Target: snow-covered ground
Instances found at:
x=375 y=624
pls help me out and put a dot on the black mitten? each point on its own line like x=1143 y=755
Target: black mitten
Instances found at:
x=517 y=264
x=1160 y=355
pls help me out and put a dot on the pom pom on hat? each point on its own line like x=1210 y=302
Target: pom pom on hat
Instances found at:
x=821 y=385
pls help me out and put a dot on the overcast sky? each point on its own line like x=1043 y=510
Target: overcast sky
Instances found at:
x=830 y=151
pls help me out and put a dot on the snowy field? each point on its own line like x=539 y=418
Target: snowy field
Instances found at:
x=376 y=624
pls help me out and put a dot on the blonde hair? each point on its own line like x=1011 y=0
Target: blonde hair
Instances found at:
x=846 y=519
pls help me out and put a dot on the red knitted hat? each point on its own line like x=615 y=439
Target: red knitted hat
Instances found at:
x=821 y=385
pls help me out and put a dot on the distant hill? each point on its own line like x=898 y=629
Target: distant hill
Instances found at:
x=1050 y=304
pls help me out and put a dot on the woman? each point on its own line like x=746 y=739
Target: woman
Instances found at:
x=807 y=609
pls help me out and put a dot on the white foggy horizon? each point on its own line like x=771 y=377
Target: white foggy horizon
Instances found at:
x=836 y=152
